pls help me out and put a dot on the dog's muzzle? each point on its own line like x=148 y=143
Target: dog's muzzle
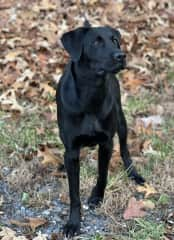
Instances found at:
x=119 y=59
x=119 y=56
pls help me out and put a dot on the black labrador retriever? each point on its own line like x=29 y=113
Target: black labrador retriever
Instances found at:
x=90 y=111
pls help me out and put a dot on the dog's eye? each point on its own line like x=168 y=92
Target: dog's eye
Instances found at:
x=115 y=41
x=98 y=41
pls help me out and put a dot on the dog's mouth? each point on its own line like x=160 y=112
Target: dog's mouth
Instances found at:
x=119 y=65
x=113 y=69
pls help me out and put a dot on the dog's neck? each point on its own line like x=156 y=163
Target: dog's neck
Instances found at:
x=86 y=77
x=91 y=88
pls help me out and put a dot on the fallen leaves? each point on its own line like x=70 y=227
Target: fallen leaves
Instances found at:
x=132 y=81
x=33 y=223
x=154 y=120
x=48 y=156
x=137 y=208
x=12 y=55
x=150 y=125
x=47 y=90
x=146 y=189
x=9 y=102
x=134 y=209
x=45 y=5
x=8 y=234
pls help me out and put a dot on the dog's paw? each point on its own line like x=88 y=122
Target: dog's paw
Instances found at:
x=94 y=201
x=71 y=229
x=136 y=177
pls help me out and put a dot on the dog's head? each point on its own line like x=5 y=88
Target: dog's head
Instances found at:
x=99 y=46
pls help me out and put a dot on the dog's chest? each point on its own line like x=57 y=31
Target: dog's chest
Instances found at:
x=90 y=131
x=90 y=125
x=92 y=100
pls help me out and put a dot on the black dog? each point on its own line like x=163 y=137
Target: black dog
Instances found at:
x=89 y=109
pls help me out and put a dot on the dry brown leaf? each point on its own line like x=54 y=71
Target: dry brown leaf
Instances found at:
x=112 y=11
x=8 y=102
x=27 y=74
x=33 y=223
x=146 y=189
x=134 y=209
x=47 y=90
x=92 y=2
x=11 y=56
x=133 y=84
x=36 y=222
x=135 y=146
x=49 y=31
x=131 y=81
x=47 y=5
x=64 y=197
x=146 y=145
x=59 y=174
x=48 y=157
x=140 y=128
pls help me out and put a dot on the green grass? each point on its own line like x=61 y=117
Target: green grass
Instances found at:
x=146 y=230
x=113 y=180
x=164 y=147
x=87 y=171
x=140 y=230
x=138 y=105
x=97 y=237
x=16 y=136
x=164 y=199
x=170 y=78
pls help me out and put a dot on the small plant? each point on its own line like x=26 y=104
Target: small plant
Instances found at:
x=163 y=199
x=97 y=237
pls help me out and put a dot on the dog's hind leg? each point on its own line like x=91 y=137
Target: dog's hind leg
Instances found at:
x=72 y=166
x=122 y=134
x=104 y=155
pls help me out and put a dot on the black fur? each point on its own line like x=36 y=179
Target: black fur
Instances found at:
x=90 y=111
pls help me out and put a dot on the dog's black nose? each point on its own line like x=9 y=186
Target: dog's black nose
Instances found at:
x=119 y=56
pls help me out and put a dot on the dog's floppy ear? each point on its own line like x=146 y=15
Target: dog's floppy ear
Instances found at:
x=73 y=42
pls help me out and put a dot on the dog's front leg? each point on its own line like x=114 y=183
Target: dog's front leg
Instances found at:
x=73 y=169
x=122 y=134
x=104 y=155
